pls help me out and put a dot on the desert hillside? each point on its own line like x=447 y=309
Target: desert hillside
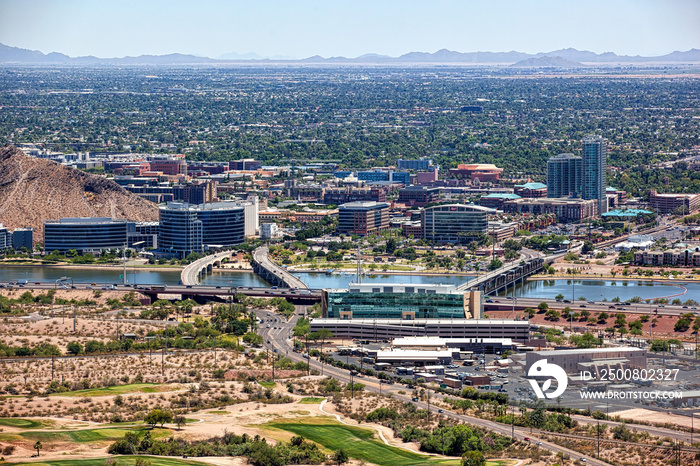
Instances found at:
x=33 y=190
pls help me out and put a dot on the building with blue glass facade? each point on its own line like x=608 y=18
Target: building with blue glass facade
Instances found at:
x=422 y=164
x=593 y=171
x=186 y=228
x=564 y=176
x=85 y=234
x=400 y=301
x=23 y=238
x=454 y=223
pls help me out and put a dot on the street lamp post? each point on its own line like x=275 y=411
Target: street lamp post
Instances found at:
x=571 y=317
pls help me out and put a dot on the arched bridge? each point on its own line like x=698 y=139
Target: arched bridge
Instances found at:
x=190 y=275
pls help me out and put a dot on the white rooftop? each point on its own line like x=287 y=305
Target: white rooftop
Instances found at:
x=438 y=341
x=401 y=288
x=590 y=350
x=413 y=354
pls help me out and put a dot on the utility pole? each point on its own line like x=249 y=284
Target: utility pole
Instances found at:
x=598 y=429
x=124 y=257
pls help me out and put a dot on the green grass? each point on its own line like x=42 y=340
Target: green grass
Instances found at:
x=217 y=412
x=357 y=442
x=309 y=400
x=114 y=390
x=267 y=384
x=120 y=461
x=78 y=436
x=21 y=423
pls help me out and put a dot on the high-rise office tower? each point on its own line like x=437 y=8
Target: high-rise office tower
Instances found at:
x=594 y=179
x=564 y=172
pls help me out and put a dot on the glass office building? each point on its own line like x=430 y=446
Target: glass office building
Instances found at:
x=594 y=176
x=400 y=301
x=564 y=174
x=87 y=234
x=186 y=228
x=454 y=223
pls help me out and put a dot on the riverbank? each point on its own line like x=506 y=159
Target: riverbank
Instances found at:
x=148 y=268
x=388 y=272
x=580 y=277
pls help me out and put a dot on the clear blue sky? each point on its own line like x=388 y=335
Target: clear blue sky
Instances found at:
x=107 y=28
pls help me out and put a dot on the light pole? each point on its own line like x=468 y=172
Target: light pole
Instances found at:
x=571 y=320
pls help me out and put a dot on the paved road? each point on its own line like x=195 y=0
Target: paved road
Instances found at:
x=261 y=256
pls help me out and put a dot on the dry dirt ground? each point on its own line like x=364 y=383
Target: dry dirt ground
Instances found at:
x=238 y=419
x=647 y=415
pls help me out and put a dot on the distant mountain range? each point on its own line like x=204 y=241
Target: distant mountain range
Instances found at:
x=546 y=62
x=568 y=57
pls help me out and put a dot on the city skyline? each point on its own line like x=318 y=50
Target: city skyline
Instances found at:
x=302 y=29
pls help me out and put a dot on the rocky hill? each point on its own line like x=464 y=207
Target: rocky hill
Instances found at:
x=33 y=190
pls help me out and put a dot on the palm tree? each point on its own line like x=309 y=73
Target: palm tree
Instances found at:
x=38 y=446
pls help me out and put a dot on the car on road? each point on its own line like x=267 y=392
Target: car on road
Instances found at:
x=538 y=443
x=527 y=439
x=582 y=459
x=440 y=411
x=414 y=399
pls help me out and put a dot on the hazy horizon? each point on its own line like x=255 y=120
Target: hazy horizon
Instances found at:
x=275 y=28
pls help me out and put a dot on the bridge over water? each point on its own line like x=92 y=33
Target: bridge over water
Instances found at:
x=509 y=274
x=273 y=273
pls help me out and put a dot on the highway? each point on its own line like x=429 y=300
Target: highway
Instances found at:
x=494 y=303
x=186 y=290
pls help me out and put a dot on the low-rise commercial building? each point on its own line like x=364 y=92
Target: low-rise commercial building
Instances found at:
x=672 y=203
x=269 y=231
x=421 y=164
x=531 y=190
x=566 y=210
x=363 y=218
x=245 y=165
x=454 y=223
x=474 y=345
x=169 y=166
x=418 y=195
x=689 y=257
x=386 y=329
x=86 y=234
x=482 y=172
x=496 y=200
x=23 y=237
x=573 y=361
x=345 y=194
